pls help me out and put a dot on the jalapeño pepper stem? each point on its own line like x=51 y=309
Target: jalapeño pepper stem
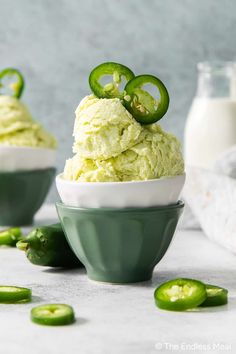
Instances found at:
x=22 y=245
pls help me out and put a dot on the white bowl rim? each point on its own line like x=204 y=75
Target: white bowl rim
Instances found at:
x=61 y=179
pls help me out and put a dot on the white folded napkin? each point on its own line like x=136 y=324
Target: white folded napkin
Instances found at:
x=226 y=163
x=211 y=196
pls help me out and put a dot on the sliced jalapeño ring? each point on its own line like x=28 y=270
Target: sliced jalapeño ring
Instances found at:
x=111 y=89
x=141 y=104
x=180 y=294
x=11 y=79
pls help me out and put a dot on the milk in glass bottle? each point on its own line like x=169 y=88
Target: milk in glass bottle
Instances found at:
x=211 y=122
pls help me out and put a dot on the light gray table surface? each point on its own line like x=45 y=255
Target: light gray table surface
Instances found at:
x=120 y=318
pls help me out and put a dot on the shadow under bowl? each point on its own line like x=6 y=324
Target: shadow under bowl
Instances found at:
x=120 y=245
x=22 y=193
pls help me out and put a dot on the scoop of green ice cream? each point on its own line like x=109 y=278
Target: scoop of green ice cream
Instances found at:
x=104 y=128
x=158 y=154
x=111 y=146
x=18 y=128
x=14 y=115
x=88 y=170
x=35 y=136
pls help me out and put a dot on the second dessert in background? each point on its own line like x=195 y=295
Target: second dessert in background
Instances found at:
x=27 y=155
x=17 y=127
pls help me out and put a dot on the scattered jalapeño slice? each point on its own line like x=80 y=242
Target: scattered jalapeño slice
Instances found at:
x=180 y=294
x=14 y=294
x=216 y=296
x=53 y=315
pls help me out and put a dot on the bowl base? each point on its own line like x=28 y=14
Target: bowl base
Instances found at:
x=10 y=222
x=125 y=277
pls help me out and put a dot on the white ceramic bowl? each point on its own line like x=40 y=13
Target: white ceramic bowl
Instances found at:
x=163 y=191
x=14 y=158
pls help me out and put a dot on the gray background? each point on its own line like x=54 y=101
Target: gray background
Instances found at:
x=57 y=42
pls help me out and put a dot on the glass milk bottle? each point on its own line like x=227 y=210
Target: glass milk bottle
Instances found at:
x=211 y=122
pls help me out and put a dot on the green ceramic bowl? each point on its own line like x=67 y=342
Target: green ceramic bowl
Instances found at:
x=22 y=193
x=120 y=245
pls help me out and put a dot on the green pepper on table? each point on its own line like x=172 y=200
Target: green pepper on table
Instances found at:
x=53 y=315
x=47 y=246
x=10 y=237
x=14 y=294
x=185 y=294
x=180 y=294
x=216 y=296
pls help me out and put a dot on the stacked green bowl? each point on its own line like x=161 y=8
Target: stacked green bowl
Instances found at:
x=22 y=193
x=120 y=245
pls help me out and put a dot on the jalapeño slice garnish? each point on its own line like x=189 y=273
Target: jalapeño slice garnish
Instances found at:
x=111 y=89
x=11 y=82
x=141 y=104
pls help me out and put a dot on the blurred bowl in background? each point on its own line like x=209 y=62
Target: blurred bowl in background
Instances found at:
x=22 y=193
x=17 y=158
